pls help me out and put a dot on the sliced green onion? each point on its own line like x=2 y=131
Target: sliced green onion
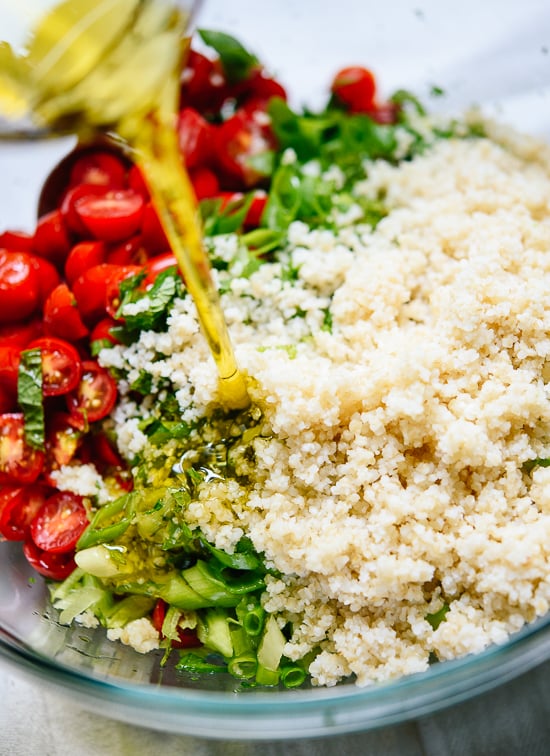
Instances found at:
x=243 y=667
x=292 y=675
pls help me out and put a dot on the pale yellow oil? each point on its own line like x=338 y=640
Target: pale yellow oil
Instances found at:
x=112 y=67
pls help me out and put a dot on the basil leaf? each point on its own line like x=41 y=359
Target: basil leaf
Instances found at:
x=236 y=61
x=29 y=397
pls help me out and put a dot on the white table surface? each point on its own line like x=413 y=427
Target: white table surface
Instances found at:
x=512 y=719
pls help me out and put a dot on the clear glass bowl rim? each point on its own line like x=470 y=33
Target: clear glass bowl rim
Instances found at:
x=264 y=714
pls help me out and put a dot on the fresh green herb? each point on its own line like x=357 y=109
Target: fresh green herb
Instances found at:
x=537 y=462
x=29 y=397
x=154 y=304
x=237 y=62
x=438 y=617
x=99 y=344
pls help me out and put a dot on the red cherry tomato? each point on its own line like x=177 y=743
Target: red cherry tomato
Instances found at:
x=102 y=331
x=59 y=523
x=157 y=265
x=137 y=182
x=205 y=182
x=112 y=294
x=255 y=211
x=62 y=441
x=18 y=241
x=82 y=257
x=129 y=252
x=18 y=507
x=152 y=233
x=257 y=86
x=93 y=286
x=19 y=286
x=50 y=565
x=355 y=88
x=239 y=139
x=61 y=366
x=203 y=84
x=51 y=238
x=94 y=397
x=195 y=137
x=384 y=113
x=8 y=400
x=9 y=366
x=187 y=636
x=99 y=167
x=48 y=277
x=19 y=462
x=21 y=333
x=61 y=315
x=111 y=216
x=104 y=452
x=72 y=196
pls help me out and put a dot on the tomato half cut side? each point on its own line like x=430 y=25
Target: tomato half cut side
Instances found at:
x=99 y=167
x=50 y=565
x=19 y=462
x=111 y=216
x=59 y=523
x=21 y=509
x=61 y=366
x=95 y=396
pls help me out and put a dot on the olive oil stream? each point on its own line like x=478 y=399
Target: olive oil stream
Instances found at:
x=111 y=67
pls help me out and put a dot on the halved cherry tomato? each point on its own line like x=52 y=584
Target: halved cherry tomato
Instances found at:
x=50 y=565
x=111 y=216
x=355 y=88
x=69 y=201
x=205 y=182
x=18 y=241
x=61 y=366
x=62 y=440
x=112 y=294
x=59 y=523
x=19 y=462
x=51 y=238
x=257 y=86
x=94 y=397
x=99 y=167
x=91 y=288
x=239 y=139
x=61 y=315
x=195 y=136
x=19 y=286
x=82 y=257
x=18 y=507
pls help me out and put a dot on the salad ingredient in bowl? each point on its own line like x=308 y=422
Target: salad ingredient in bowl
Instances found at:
x=382 y=504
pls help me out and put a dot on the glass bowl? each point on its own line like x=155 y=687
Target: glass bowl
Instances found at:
x=492 y=54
